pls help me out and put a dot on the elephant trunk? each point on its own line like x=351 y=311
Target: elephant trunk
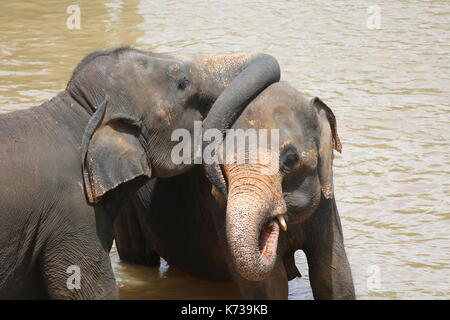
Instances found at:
x=252 y=225
x=233 y=82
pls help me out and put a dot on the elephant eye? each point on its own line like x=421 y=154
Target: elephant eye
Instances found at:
x=289 y=160
x=183 y=83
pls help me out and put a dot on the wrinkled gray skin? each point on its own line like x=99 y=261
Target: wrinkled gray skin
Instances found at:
x=67 y=165
x=222 y=239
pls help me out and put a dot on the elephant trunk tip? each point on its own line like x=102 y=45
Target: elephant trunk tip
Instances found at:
x=255 y=260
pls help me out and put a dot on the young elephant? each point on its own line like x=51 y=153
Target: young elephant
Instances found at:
x=66 y=165
x=242 y=240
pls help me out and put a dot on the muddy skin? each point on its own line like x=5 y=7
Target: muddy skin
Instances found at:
x=240 y=237
x=67 y=165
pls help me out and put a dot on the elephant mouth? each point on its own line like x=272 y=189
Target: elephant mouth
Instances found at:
x=268 y=240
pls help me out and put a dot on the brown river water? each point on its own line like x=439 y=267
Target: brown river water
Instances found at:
x=389 y=88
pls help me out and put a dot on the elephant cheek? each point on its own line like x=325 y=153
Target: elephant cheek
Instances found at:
x=301 y=205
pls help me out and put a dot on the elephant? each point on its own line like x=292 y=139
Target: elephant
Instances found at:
x=250 y=234
x=68 y=164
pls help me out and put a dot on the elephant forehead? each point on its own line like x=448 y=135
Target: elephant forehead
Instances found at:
x=277 y=103
x=153 y=63
x=279 y=93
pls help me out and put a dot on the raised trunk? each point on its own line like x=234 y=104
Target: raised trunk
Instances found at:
x=235 y=81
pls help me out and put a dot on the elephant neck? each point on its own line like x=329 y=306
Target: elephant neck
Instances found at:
x=64 y=102
x=78 y=101
x=70 y=118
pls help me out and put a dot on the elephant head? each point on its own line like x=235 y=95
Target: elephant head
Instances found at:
x=136 y=99
x=261 y=200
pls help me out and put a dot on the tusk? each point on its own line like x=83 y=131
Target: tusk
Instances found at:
x=282 y=223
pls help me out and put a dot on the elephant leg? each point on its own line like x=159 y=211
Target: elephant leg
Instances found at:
x=274 y=287
x=132 y=242
x=329 y=269
x=75 y=265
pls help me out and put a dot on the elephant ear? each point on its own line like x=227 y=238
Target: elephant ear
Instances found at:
x=329 y=140
x=111 y=152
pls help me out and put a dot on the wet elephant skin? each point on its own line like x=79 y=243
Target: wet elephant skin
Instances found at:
x=66 y=165
x=188 y=221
